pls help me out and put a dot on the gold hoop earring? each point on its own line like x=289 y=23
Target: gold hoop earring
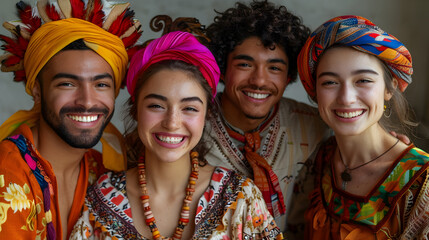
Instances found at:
x=387 y=110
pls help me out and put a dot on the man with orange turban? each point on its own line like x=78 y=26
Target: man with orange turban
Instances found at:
x=73 y=66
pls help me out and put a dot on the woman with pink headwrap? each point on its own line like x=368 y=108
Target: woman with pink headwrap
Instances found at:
x=369 y=185
x=169 y=189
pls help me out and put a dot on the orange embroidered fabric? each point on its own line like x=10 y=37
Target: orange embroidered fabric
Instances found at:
x=21 y=198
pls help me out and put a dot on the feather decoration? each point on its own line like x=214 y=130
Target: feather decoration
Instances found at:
x=134 y=28
x=96 y=14
x=130 y=40
x=12 y=60
x=78 y=9
x=117 y=10
x=52 y=13
x=116 y=25
x=131 y=51
x=122 y=23
x=15 y=47
x=25 y=13
x=14 y=68
x=20 y=76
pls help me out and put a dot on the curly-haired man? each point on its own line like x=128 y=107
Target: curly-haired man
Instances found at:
x=259 y=133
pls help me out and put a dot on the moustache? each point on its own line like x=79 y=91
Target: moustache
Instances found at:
x=95 y=110
x=259 y=88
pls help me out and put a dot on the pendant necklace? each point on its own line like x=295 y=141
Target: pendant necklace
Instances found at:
x=345 y=175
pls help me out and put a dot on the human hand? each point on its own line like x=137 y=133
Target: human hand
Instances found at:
x=403 y=138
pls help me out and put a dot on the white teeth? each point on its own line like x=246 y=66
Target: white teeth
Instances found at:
x=170 y=140
x=83 y=118
x=349 y=114
x=257 y=95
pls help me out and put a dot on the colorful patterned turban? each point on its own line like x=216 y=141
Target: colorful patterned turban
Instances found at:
x=174 y=46
x=52 y=37
x=362 y=35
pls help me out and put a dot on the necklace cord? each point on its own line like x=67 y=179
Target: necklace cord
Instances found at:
x=345 y=175
x=372 y=160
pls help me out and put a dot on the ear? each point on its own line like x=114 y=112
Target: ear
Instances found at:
x=387 y=94
x=37 y=92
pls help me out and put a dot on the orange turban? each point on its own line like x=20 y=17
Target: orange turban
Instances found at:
x=52 y=37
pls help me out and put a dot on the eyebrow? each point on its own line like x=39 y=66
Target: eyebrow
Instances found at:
x=249 y=58
x=162 y=98
x=75 y=77
x=192 y=99
x=360 y=71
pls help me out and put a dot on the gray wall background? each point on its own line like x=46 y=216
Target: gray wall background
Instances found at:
x=407 y=20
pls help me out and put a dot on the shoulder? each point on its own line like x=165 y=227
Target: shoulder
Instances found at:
x=8 y=149
x=12 y=164
x=294 y=107
x=243 y=185
x=227 y=178
x=413 y=161
x=112 y=181
x=297 y=114
x=108 y=186
x=251 y=208
x=107 y=195
x=417 y=153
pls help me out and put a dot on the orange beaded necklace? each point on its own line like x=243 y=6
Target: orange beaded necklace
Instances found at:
x=184 y=214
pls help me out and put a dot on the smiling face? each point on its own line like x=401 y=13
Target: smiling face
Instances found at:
x=77 y=96
x=255 y=80
x=171 y=110
x=350 y=90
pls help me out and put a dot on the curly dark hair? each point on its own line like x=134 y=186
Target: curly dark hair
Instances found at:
x=271 y=24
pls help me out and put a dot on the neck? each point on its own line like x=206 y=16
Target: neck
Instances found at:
x=359 y=149
x=58 y=153
x=237 y=118
x=163 y=177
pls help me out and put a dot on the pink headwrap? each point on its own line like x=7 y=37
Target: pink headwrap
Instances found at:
x=181 y=46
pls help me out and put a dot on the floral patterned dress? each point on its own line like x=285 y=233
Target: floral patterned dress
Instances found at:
x=396 y=208
x=232 y=207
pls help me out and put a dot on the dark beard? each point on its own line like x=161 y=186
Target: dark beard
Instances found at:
x=84 y=139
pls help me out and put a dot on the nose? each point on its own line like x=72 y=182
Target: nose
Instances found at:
x=347 y=94
x=259 y=76
x=172 y=119
x=86 y=96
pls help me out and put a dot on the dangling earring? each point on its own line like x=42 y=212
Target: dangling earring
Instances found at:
x=387 y=110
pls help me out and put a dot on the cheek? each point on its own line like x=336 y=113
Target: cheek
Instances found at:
x=324 y=98
x=108 y=99
x=324 y=101
x=145 y=121
x=280 y=83
x=56 y=101
x=233 y=78
x=196 y=123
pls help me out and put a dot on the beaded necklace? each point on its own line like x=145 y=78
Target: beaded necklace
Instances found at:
x=184 y=213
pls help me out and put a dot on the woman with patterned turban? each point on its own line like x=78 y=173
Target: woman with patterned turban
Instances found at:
x=368 y=184
x=169 y=189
